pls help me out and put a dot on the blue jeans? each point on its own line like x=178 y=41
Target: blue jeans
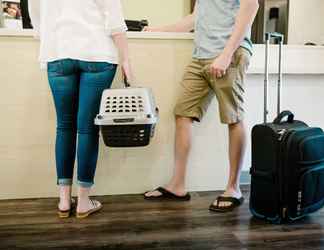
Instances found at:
x=77 y=87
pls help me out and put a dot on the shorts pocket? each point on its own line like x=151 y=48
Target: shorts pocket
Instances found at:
x=244 y=59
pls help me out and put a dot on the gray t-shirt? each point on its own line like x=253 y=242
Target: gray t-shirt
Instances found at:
x=214 y=24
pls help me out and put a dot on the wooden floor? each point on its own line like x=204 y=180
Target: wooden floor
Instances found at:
x=129 y=222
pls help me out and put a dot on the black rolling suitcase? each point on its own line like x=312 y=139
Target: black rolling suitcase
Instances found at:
x=287 y=173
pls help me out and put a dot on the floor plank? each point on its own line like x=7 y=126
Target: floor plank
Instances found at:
x=129 y=222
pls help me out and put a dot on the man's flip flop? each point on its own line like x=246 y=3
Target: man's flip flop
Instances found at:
x=234 y=204
x=66 y=213
x=166 y=196
x=96 y=207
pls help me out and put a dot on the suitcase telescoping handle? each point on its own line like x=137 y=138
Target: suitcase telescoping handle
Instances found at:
x=280 y=39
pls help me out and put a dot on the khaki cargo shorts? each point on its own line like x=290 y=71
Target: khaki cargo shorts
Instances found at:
x=199 y=87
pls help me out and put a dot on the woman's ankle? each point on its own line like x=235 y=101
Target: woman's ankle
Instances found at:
x=65 y=192
x=83 y=195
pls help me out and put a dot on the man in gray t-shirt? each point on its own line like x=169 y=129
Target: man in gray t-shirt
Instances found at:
x=214 y=23
x=221 y=58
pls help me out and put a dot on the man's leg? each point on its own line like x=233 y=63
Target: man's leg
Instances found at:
x=182 y=149
x=230 y=94
x=192 y=104
x=237 y=145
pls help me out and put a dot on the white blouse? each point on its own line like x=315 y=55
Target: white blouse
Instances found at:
x=77 y=29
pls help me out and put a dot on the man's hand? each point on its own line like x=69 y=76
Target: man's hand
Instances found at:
x=153 y=29
x=184 y=25
x=220 y=65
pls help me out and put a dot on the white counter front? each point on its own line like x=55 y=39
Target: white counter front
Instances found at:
x=27 y=128
x=297 y=59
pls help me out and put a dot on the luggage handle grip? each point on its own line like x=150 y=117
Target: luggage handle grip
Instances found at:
x=290 y=117
x=275 y=35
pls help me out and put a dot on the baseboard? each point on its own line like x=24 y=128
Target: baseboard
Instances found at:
x=245 y=177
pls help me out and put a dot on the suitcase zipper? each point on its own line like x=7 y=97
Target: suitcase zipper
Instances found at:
x=284 y=212
x=284 y=139
x=281 y=134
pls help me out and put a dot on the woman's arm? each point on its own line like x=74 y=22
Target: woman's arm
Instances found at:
x=34 y=13
x=116 y=28
x=121 y=43
x=114 y=17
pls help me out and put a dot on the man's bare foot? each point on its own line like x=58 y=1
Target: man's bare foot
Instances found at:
x=230 y=192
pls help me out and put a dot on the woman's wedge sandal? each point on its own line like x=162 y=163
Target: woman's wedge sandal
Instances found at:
x=66 y=213
x=96 y=206
x=224 y=209
x=166 y=196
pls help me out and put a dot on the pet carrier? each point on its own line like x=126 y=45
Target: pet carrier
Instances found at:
x=127 y=116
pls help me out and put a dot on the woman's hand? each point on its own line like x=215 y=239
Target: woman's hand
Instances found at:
x=127 y=71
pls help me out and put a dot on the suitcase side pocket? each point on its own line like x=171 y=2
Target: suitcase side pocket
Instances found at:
x=309 y=194
x=311 y=191
x=264 y=196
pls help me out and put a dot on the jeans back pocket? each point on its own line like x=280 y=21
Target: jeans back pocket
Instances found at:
x=55 y=68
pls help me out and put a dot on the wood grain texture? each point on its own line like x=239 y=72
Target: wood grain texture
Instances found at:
x=129 y=222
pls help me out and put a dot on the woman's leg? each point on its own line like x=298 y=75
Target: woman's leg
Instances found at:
x=94 y=79
x=64 y=83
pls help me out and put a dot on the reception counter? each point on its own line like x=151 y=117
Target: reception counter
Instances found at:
x=27 y=136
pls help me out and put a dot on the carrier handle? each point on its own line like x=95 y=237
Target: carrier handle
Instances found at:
x=290 y=117
x=280 y=38
x=127 y=84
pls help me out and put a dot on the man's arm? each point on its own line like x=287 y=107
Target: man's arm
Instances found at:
x=184 y=25
x=244 y=20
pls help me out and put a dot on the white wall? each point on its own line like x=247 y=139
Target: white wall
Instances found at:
x=306 y=21
x=158 y=12
x=303 y=95
x=27 y=127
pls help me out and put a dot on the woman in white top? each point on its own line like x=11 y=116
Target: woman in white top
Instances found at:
x=79 y=43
